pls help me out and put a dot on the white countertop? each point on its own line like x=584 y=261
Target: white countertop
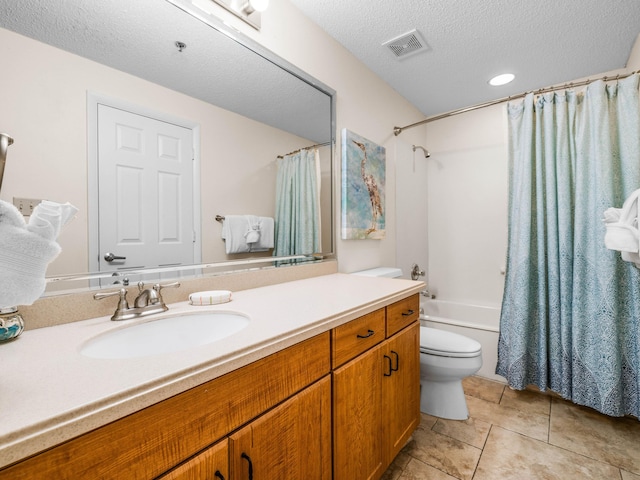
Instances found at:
x=50 y=393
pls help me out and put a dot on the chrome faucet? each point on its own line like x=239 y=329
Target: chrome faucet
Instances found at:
x=148 y=301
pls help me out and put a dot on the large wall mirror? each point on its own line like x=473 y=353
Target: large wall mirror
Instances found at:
x=71 y=68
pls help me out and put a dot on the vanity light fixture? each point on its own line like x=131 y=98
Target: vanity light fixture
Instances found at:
x=247 y=10
x=502 y=79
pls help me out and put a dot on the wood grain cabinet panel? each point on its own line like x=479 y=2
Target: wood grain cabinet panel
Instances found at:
x=402 y=313
x=401 y=390
x=376 y=401
x=357 y=418
x=353 y=338
x=212 y=464
x=292 y=441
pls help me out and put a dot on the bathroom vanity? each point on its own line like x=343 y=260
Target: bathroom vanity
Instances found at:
x=323 y=383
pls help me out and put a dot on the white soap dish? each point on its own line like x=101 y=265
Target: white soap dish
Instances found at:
x=211 y=297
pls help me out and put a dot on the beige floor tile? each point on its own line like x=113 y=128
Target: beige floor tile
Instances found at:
x=483 y=388
x=417 y=470
x=447 y=454
x=471 y=431
x=629 y=476
x=395 y=469
x=530 y=424
x=527 y=401
x=508 y=455
x=615 y=441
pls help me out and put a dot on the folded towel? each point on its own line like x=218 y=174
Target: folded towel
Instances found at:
x=247 y=233
x=234 y=229
x=266 y=240
x=621 y=224
x=26 y=250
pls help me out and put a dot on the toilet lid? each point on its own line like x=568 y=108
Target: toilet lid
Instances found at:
x=448 y=344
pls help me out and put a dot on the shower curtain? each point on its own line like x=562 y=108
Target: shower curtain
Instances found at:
x=570 y=316
x=298 y=204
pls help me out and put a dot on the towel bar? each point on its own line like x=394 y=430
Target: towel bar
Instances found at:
x=219 y=218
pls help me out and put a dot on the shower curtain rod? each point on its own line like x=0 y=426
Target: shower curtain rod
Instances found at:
x=398 y=130
x=305 y=148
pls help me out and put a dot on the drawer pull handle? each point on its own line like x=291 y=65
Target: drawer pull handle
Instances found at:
x=408 y=313
x=218 y=475
x=369 y=333
x=397 y=361
x=390 y=364
x=248 y=459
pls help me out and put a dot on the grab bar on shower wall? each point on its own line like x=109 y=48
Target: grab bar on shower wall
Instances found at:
x=5 y=141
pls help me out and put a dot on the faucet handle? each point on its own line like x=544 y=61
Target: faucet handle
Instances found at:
x=157 y=287
x=122 y=302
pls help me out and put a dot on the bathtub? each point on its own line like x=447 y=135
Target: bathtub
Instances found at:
x=480 y=322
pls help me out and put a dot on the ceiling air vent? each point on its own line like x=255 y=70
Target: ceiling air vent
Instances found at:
x=406 y=45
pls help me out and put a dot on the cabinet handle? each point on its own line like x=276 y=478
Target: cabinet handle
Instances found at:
x=390 y=366
x=397 y=361
x=218 y=475
x=408 y=313
x=248 y=459
x=369 y=333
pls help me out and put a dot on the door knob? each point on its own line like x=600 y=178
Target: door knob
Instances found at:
x=110 y=257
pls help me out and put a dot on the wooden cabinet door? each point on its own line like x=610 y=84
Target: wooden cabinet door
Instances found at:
x=357 y=417
x=401 y=389
x=211 y=464
x=291 y=441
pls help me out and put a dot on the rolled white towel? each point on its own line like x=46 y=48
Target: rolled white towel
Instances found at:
x=26 y=250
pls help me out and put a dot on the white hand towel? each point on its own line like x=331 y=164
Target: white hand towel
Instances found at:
x=266 y=240
x=622 y=226
x=234 y=228
x=25 y=254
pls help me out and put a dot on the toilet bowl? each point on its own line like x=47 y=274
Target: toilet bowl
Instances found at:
x=445 y=359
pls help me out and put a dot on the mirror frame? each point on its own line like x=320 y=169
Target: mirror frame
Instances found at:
x=229 y=266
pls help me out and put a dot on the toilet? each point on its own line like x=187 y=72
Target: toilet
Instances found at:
x=445 y=359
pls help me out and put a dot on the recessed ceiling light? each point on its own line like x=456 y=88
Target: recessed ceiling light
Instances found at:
x=502 y=79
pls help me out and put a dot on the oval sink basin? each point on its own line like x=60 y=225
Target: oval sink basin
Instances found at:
x=165 y=335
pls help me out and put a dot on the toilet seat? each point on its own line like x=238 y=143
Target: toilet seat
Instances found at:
x=442 y=343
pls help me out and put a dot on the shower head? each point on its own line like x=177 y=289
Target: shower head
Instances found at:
x=426 y=152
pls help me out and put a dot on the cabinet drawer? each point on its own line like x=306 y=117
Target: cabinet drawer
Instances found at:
x=353 y=338
x=402 y=313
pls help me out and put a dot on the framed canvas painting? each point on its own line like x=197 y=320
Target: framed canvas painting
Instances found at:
x=363 y=188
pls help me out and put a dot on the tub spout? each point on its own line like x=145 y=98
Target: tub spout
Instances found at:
x=425 y=293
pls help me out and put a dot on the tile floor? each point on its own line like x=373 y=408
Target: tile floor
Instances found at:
x=520 y=435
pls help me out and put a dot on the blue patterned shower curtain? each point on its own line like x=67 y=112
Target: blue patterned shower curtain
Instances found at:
x=298 y=204
x=570 y=318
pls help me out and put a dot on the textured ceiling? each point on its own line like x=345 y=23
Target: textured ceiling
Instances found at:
x=542 y=42
x=138 y=37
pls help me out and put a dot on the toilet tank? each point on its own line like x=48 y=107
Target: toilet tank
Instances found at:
x=389 y=272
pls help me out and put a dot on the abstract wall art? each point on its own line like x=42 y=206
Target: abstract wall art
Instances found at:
x=363 y=188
